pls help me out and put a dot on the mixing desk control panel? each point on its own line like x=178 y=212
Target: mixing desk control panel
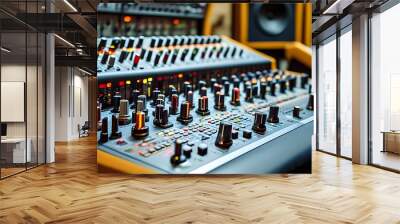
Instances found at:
x=123 y=57
x=205 y=124
x=148 y=19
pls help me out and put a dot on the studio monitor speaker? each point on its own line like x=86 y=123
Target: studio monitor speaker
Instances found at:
x=269 y=26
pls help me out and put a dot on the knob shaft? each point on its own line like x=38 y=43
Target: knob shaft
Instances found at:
x=115 y=133
x=259 y=123
x=140 y=129
x=174 y=104
x=203 y=106
x=224 y=137
x=178 y=157
x=184 y=116
x=273 y=116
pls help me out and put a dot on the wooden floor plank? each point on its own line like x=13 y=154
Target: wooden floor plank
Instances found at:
x=72 y=191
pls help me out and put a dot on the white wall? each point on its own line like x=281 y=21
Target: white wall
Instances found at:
x=71 y=107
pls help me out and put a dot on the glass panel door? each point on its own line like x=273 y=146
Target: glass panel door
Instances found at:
x=346 y=93
x=327 y=96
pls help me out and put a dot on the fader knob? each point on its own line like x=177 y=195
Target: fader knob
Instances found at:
x=310 y=104
x=122 y=56
x=116 y=102
x=111 y=62
x=220 y=101
x=102 y=44
x=155 y=94
x=123 y=116
x=263 y=90
x=203 y=106
x=178 y=157
x=273 y=116
x=202 y=149
x=115 y=133
x=249 y=94
x=203 y=91
x=226 y=88
x=224 y=137
x=140 y=129
x=273 y=89
x=104 y=130
x=140 y=42
x=292 y=83
x=235 y=101
x=161 y=117
x=174 y=104
x=259 y=123
x=104 y=58
x=184 y=116
x=296 y=112
x=282 y=86
x=303 y=81
x=187 y=151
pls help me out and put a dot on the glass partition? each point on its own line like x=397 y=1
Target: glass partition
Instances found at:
x=346 y=92
x=385 y=89
x=327 y=96
x=22 y=77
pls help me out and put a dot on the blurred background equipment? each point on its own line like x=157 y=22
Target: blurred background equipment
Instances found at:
x=280 y=30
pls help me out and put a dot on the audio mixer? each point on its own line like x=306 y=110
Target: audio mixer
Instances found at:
x=148 y=19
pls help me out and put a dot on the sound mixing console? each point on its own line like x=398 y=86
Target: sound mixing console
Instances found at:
x=198 y=104
x=148 y=19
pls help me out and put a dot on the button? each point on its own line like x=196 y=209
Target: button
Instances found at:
x=187 y=151
x=202 y=149
x=247 y=134
x=235 y=134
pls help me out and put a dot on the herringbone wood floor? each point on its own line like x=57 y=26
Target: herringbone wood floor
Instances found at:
x=72 y=191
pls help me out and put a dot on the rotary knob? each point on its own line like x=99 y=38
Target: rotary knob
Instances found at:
x=116 y=102
x=161 y=117
x=140 y=129
x=104 y=130
x=235 y=101
x=155 y=94
x=220 y=101
x=224 y=137
x=310 y=104
x=273 y=116
x=249 y=94
x=115 y=133
x=296 y=112
x=203 y=91
x=185 y=117
x=263 y=90
x=282 y=86
x=173 y=109
x=259 y=123
x=123 y=116
x=178 y=157
x=203 y=106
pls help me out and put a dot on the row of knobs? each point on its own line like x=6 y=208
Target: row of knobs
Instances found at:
x=131 y=42
x=226 y=133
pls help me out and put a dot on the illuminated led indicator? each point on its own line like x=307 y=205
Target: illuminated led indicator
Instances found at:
x=128 y=19
x=128 y=82
x=180 y=75
x=176 y=22
x=144 y=81
x=102 y=86
x=121 y=83
x=109 y=85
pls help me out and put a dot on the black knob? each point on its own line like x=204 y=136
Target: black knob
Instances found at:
x=115 y=133
x=178 y=157
x=236 y=83
x=203 y=91
x=304 y=81
x=111 y=61
x=116 y=100
x=212 y=82
x=259 y=123
x=104 y=58
x=226 y=88
x=202 y=84
x=104 y=130
x=122 y=56
x=255 y=90
x=224 y=137
x=282 y=86
x=187 y=151
x=184 y=116
x=292 y=83
x=161 y=117
x=273 y=88
x=220 y=101
x=247 y=134
x=263 y=90
x=149 y=55
x=202 y=108
x=153 y=42
x=202 y=149
x=310 y=104
x=249 y=94
x=130 y=42
x=102 y=44
x=155 y=94
x=296 y=112
x=140 y=42
x=273 y=116
x=134 y=97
